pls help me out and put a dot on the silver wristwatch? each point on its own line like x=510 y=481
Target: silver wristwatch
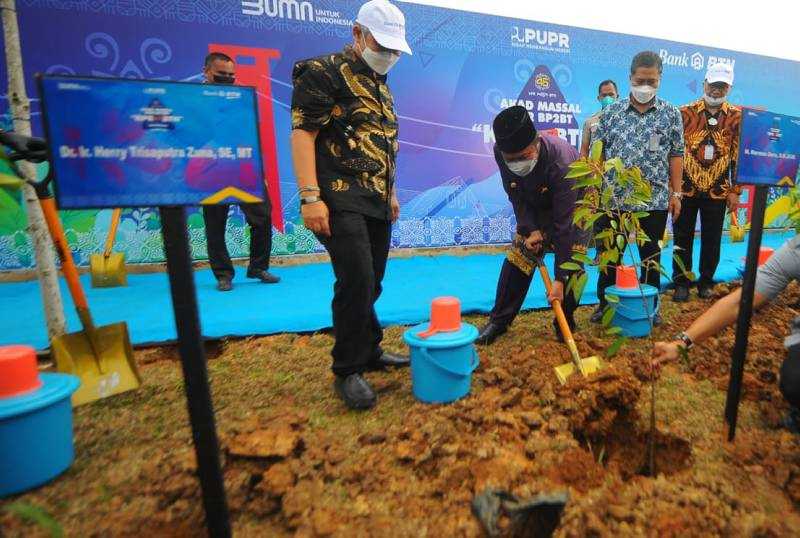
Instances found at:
x=686 y=339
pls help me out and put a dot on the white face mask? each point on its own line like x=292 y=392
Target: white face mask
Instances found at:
x=380 y=62
x=522 y=168
x=643 y=94
x=713 y=101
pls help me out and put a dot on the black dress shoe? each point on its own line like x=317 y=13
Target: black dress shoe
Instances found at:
x=264 y=276
x=705 y=291
x=597 y=315
x=791 y=420
x=355 y=391
x=393 y=360
x=681 y=294
x=490 y=333
x=223 y=284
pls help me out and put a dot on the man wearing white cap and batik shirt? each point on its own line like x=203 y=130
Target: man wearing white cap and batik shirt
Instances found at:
x=344 y=148
x=711 y=131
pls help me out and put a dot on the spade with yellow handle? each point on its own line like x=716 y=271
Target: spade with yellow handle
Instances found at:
x=585 y=366
x=108 y=269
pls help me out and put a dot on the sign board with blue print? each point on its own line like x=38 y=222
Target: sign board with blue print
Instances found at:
x=132 y=143
x=769 y=149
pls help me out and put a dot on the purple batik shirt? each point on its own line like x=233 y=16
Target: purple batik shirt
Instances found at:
x=544 y=200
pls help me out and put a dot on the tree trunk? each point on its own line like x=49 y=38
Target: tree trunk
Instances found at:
x=37 y=228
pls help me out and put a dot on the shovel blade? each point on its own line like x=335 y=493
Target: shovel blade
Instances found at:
x=108 y=272
x=590 y=366
x=737 y=234
x=112 y=372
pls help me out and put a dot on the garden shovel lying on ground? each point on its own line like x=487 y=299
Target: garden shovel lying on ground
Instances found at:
x=108 y=269
x=585 y=366
x=737 y=231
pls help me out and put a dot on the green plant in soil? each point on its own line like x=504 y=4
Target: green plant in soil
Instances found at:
x=615 y=197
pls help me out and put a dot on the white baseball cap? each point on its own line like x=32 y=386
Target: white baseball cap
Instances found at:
x=720 y=72
x=386 y=23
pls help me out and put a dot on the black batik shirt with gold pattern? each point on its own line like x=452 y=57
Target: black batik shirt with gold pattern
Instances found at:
x=353 y=110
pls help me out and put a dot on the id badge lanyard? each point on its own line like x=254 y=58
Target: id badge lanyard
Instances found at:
x=708 y=148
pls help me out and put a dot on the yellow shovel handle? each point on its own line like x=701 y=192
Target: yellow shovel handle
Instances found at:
x=112 y=231
x=560 y=318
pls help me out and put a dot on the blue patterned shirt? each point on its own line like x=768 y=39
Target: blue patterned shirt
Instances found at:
x=645 y=140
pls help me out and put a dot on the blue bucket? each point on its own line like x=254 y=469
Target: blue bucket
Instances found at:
x=36 y=434
x=442 y=364
x=632 y=312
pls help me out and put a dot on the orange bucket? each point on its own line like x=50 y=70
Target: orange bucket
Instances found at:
x=627 y=277
x=18 y=371
x=445 y=316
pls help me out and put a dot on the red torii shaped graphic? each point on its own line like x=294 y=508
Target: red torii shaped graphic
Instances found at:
x=252 y=69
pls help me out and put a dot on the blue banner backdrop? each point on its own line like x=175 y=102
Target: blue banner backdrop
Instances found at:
x=466 y=67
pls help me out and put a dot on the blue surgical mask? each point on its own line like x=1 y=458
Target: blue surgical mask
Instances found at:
x=607 y=100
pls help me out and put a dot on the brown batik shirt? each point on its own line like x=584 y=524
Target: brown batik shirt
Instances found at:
x=711 y=150
x=356 y=148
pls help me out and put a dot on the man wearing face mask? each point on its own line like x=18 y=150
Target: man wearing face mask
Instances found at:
x=344 y=148
x=606 y=95
x=532 y=168
x=711 y=130
x=647 y=132
x=219 y=68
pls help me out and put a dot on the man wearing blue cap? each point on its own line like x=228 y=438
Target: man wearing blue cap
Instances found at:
x=532 y=167
x=344 y=148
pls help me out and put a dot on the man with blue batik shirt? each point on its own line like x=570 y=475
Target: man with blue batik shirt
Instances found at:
x=646 y=132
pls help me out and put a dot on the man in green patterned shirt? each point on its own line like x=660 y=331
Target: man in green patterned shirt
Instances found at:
x=344 y=147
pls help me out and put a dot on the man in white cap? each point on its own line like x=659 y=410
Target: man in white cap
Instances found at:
x=711 y=132
x=344 y=148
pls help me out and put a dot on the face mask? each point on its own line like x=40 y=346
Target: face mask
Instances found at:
x=643 y=94
x=522 y=168
x=713 y=101
x=607 y=100
x=380 y=62
x=224 y=79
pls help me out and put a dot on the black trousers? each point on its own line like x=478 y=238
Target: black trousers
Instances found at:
x=790 y=376
x=512 y=288
x=653 y=225
x=358 y=247
x=712 y=217
x=258 y=216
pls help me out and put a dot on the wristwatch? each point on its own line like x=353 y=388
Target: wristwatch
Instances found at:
x=686 y=339
x=310 y=200
x=678 y=195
